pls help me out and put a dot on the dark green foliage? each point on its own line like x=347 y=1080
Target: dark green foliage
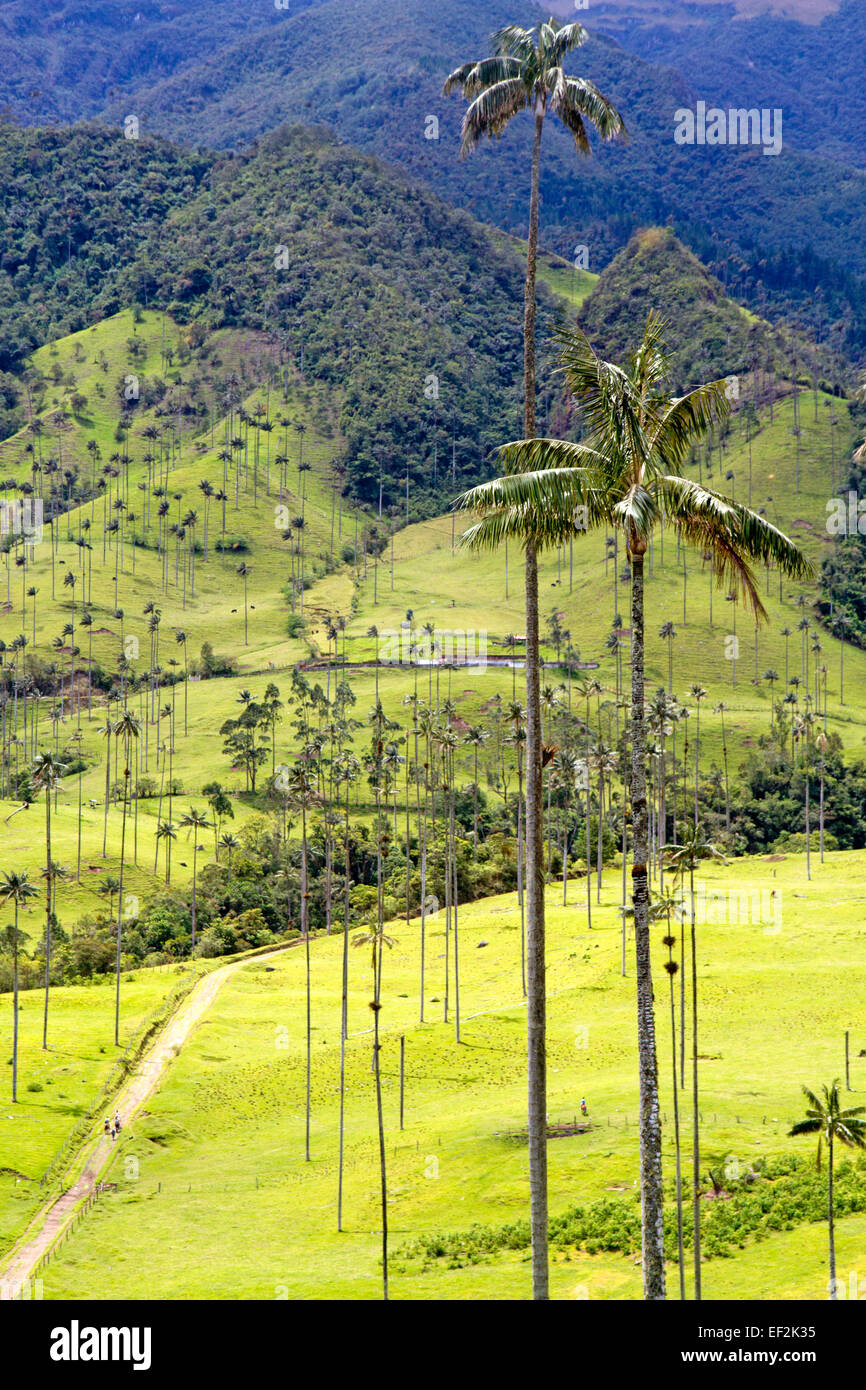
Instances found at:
x=775 y=1195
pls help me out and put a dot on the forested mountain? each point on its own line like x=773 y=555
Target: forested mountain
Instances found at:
x=709 y=334
x=813 y=71
x=63 y=61
x=785 y=234
x=753 y=219
x=396 y=303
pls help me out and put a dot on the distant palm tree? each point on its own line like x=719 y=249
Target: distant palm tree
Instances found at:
x=698 y=693
x=229 y=843
x=47 y=771
x=165 y=831
x=669 y=632
x=826 y=1118
x=665 y=907
x=476 y=736
x=244 y=571
x=16 y=889
x=126 y=730
x=193 y=821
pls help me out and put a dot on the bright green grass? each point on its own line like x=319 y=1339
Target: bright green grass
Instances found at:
x=231 y=1112
x=455 y=591
x=65 y=1079
x=560 y=276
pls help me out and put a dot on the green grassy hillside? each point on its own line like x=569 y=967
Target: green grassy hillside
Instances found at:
x=217 y=1161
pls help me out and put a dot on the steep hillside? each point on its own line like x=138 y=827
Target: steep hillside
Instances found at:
x=370 y=285
x=710 y=335
x=730 y=204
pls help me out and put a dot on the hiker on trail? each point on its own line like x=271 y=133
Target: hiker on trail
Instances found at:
x=113 y=1132
x=583 y=1110
x=107 y=1125
x=117 y=1123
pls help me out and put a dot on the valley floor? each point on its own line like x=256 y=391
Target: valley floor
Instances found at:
x=216 y=1161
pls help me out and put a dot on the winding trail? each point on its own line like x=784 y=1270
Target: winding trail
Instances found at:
x=51 y=1220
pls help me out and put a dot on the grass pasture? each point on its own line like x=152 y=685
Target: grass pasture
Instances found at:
x=219 y=1151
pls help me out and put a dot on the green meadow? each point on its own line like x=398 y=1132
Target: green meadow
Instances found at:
x=216 y=1161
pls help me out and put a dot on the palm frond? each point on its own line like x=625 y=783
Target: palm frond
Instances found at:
x=491 y=111
x=732 y=534
x=567 y=38
x=687 y=417
x=515 y=42
x=472 y=78
x=582 y=100
x=544 y=507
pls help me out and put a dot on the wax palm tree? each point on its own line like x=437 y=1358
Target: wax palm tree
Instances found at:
x=698 y=693
x=669 y=632
x=166 y=832
x=826 y=1118
x=525 y=73
x=229 y=843
x=126 y=730
x=626 y=474
x=192 y=821
x=245 y=570
x=684 y=859
x=302 y=791
x=47 y=771
x=16 y=889
x=664 y=907
x=476 y=736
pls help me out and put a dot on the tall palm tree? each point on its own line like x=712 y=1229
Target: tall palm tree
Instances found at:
x=525 y=73
x=17 y=890
x=826 y=1118
x=126 y=730
x=245 y=570
x=626 y=474
x=192 y=821
x=47 y=771
x=698 y=693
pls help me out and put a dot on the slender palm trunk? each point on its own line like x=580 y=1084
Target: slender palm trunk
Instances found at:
x=120 y=902
x=49 y=908
x=679 y=1180
x=652 y=1194
x=344 y=1016
x=15 y=1011
x=696 y=1146
x=305 y=932
x=830 y=1221
x=536 y=1002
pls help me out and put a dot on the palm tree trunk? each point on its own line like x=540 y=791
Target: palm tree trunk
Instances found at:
x=344 y=1014
x=652 y=1194
x=305 y=932
x=696 y=1146
x=679 y=1181
x=15 y=1011
x=120 y=901
x=831 y=1226
x=536 y=1002
x=49 y=905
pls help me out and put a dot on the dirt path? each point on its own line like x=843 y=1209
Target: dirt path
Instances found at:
x=49 y=1222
